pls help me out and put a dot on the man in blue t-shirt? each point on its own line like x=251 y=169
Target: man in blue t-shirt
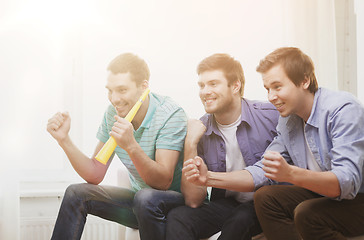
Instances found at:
x=150 y=148
x=232 y=135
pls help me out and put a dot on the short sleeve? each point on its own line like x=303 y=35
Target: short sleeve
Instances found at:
x=173 y=133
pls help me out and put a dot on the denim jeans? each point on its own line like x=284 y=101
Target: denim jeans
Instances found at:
x=146 y=209
x=235 y=220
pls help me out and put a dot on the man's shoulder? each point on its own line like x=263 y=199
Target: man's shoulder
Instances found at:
x=165 y=104
x=332 y=98
x=166 y=109
x=330 y=102
x=257 y=109
x=259 y=105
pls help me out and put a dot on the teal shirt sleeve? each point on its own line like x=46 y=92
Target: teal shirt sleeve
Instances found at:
x=172 y=135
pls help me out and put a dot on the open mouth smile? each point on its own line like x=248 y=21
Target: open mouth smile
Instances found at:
x=208 y=101
x=278 y=106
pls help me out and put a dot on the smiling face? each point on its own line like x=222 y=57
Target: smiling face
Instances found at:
x=215 y=93
x=285 y=95
x=123 y=92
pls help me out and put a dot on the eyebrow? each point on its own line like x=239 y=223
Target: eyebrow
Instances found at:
x=117 y=87
x=211 y=80
x=275 y=82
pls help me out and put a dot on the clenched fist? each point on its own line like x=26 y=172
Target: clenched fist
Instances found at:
x=59 y=125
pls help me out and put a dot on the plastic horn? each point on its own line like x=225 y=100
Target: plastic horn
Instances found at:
x=109 y=147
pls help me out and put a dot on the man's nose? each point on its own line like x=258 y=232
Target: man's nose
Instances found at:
x=205 y=90
x=272 y=96
x=114 y=98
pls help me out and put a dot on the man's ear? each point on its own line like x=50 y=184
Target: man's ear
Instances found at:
x=306 y=83
x=145 y=84
x=237 y=86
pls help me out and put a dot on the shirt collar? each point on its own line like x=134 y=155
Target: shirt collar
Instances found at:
x=313 y=119
x=150 y=112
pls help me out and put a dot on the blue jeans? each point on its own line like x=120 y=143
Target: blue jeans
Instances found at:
x=146 y=209
x=235 y=220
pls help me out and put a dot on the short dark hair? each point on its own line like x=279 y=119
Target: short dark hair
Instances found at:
x=231 y=68
x=129 y=62
x=294 y=62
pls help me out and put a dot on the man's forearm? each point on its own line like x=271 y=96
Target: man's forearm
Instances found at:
x=194 y=195
x=239 y=181
x=159 y=173
x=83 y=165
x=324 y=183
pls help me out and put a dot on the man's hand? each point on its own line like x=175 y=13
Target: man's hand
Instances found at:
x=59 y=126
x=122 y=131
x=195 y=130
x=276 y=167
x=195 y=171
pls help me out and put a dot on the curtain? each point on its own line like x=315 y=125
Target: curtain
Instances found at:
x=310 y=25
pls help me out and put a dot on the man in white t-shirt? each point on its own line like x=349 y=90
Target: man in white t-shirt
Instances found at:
x=232 y=134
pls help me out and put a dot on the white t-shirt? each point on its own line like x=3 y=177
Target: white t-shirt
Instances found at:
x=234 y=159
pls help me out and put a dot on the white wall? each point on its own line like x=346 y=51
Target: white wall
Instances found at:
x=53 y=57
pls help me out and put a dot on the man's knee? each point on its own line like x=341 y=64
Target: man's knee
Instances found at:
x=74 y=190
x=145 y=197
x=263 y=196
x=146 y=200
x=80 y=191
x=157 y=202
